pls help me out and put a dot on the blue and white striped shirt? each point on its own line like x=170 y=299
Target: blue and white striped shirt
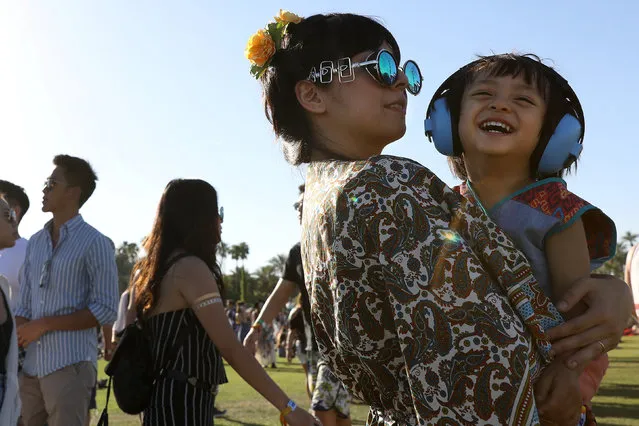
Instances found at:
x=79 y=273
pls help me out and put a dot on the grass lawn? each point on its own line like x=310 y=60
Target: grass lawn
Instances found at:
x=616 y=404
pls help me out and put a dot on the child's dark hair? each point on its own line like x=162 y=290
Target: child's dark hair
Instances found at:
x=317 y=38
x=551 y=87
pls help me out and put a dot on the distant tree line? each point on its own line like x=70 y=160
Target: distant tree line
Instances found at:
x=255 y=286
x=239 y=284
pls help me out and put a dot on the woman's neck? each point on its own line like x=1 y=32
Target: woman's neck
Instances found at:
x=326 y=148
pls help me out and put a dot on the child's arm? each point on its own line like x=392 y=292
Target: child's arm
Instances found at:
x=568 y=261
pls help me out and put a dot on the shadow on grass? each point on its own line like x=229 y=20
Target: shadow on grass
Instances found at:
x=620 y=391
x=284 y=369
x=625 y=361
x=616 y=410
x=229 y=420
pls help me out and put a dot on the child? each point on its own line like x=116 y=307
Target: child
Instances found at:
x=511 y=127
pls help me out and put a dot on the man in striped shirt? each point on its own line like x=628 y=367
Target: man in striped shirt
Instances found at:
x=69 y=285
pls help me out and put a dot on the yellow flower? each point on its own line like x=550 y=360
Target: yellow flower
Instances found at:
x=259 y=48
x=288 y=17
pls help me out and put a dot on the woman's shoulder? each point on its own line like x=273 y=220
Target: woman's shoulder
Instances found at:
x=189 y=266
x=391 y=168
x=394 y=161
x=391 y=172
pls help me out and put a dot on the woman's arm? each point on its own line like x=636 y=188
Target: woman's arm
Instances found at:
x=274 y=304
x=609 y=302
x=198 y=287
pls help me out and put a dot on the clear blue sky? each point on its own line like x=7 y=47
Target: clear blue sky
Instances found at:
x=148 y=91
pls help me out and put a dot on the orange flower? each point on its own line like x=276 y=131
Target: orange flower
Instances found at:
x=259 y=48
x=288 y=17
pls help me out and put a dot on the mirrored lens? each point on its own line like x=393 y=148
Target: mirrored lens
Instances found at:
x=414 y=76
x=387 y=68
x=221 y=213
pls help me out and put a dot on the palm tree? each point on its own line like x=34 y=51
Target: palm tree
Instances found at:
x=278 y=263
x=242 y=253
x=629 y=238
x=223 y=251
x=265 y=279
x=239 y=252
x=126 y=255
x=234 y=251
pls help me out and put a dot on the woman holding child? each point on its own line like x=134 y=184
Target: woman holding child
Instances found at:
x=421 y=305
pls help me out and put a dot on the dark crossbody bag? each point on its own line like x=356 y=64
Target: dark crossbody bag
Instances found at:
x=130 y=371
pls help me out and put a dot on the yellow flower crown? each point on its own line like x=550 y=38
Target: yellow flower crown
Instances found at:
x=265 y=42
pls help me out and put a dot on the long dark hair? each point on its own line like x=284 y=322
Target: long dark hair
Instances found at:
x=186 y=220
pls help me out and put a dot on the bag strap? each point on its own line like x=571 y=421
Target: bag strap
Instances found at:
x=104 y=417
x=161 y=276
x=172 y=261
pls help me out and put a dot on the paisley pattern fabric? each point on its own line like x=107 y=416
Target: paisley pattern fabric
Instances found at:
x=421 y=304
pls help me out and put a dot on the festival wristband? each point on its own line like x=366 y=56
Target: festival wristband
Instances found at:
x=290 y=407
x=258 y=325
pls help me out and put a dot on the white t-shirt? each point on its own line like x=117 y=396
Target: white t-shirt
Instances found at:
x=120 y=322
x=11 y=260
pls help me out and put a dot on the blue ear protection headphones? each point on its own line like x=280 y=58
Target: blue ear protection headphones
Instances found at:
x=561 y=150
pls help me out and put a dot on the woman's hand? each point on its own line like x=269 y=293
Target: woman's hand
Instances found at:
x=250 y=341
x=600 y=328
x=300 y=417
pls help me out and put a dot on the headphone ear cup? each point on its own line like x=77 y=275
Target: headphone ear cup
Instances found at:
x=563 y=146
x=439 y=129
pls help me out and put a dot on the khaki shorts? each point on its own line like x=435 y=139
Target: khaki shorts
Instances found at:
x=59 y=399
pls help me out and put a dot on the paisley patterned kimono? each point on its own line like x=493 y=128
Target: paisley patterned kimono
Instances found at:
x=421 y=305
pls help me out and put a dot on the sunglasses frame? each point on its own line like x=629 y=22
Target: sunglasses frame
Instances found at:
x=220 y=213
x=327 y=69
x=49 y=184
x=11 y=216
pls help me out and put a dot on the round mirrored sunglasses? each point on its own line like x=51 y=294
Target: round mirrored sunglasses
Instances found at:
x=383 y=69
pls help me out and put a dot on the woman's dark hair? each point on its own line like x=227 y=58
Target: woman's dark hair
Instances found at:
x=187 y=220
x=534 y=72
x=317 y=38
